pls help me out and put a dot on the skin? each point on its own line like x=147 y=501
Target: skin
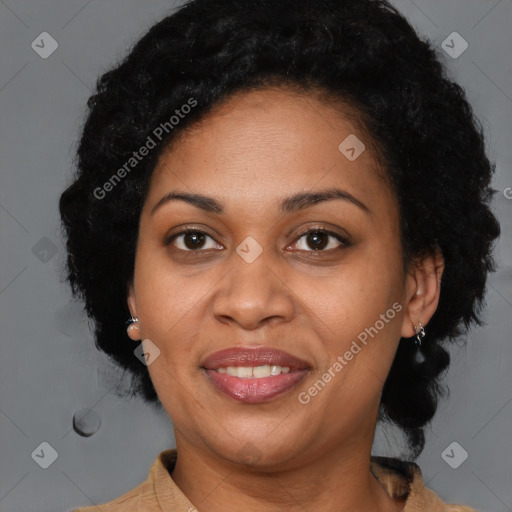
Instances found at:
x=249 y=153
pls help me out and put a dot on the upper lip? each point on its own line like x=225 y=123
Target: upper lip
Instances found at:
x=256 y=356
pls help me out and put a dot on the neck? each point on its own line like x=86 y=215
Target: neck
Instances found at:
x=337 y=480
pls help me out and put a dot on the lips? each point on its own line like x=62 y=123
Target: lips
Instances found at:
x=254 y=390
x=258 y=356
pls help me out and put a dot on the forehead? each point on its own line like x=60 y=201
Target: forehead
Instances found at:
x=260 y=145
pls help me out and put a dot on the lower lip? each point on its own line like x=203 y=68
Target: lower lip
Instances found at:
x=255 y=391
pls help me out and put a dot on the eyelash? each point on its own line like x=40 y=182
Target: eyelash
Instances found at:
x=343 y=241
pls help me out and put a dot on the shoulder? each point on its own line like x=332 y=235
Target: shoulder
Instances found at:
x=403 y=479
x=132 y=501
x=459 y=508
x=142 y=497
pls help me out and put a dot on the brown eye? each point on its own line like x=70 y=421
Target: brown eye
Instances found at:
x=193 y=240
x=319 y=240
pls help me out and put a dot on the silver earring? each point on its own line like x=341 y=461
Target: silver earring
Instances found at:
x=131 y=320
x=420 y=334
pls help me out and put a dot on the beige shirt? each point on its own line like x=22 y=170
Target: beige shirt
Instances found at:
x=159 y=493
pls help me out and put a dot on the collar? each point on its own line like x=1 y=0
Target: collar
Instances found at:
x=400 y=479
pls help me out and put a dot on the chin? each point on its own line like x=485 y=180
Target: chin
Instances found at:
x=261 y=451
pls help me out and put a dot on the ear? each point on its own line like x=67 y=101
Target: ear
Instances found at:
x=131 y=300
x=423 y=289
x=133 y=330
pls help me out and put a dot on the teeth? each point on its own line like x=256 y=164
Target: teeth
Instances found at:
x=262 y=371
x=246 y=372
x=275 y=370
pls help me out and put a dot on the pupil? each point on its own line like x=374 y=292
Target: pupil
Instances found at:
x=196 y=238
x=316 y=238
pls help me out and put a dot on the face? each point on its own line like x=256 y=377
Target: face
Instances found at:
x=274 y=260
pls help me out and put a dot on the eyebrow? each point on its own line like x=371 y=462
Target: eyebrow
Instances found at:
x=296 y=202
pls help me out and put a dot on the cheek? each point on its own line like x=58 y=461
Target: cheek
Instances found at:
x=168 y=303
x=354 y=296
x=356 y=311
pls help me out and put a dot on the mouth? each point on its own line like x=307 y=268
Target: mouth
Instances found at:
x=254 y=375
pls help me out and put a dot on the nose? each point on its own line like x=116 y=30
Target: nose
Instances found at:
x=253 y=295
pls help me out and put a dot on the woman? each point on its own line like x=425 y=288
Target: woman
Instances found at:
x=288 y=202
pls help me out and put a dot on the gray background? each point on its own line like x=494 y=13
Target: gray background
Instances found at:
x=50 y=368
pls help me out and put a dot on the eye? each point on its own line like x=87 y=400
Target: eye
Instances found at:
x=193 y=240
x=319 y=240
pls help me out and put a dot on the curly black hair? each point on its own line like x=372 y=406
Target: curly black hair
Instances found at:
x=364 y=54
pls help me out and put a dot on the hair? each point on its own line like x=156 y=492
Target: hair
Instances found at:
x=363 y=54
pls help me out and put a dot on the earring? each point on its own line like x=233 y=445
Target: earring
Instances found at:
x=420 y=334
x=133 y=328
